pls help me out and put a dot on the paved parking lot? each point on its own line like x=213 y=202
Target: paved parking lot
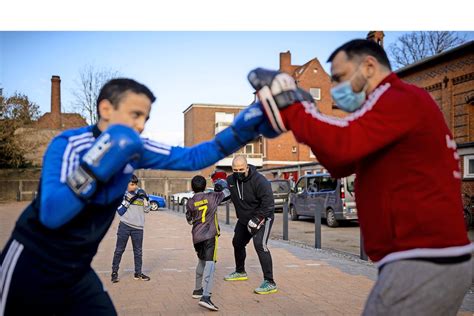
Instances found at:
x=311 y=282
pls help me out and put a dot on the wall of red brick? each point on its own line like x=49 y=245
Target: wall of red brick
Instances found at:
x=199 y=123
x=282 y=149
x=199 y=126
x=449 y=83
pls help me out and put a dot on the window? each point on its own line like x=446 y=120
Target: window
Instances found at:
x=469 y=166
x=327 y=184
x=248 y=149
x=313 y=185
x=222 y=117
x=223 y=120
x=293 y=149
x=311 y=154
x=350 y=180
x=280 y=186
x=301 y=185
x=316 y=93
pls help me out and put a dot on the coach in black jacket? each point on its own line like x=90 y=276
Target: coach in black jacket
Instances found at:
x=252 y=196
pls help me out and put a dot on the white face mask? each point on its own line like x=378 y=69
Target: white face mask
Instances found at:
x=346 y=99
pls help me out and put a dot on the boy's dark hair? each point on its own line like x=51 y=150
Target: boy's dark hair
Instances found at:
x=363 y=47
x=134 y=179
x=198 y=184
x=115 y=89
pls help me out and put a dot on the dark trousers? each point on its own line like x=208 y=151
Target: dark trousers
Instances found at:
x=32 y=286
x=242 y=238
x=123 y=232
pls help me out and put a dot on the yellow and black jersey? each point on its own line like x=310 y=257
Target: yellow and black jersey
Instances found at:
x=201 y=210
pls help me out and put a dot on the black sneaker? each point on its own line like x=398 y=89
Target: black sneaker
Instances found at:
x=114 y=277
x=206 y=302
x=141 y=276
x=197 y=293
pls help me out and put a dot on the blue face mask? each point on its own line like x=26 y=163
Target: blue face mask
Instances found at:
x=346 y=99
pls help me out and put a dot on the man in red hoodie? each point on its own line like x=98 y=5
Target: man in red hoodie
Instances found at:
x=408 y=187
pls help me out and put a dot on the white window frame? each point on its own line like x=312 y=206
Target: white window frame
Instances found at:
x=468 y=175
x=224 y=117
x=318 y=95
x=245 y=149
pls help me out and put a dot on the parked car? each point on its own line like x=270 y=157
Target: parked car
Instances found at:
x=281 y=190
x=183 y=197
x=156 y=202
x=335 y=198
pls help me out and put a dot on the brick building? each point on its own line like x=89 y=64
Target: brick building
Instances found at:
x=36 y=137
x=449 y=78
x=203 y=121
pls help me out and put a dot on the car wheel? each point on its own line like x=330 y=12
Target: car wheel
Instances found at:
x=183 y=201
x=331 y=218
x=293 y=215
x=154 y=206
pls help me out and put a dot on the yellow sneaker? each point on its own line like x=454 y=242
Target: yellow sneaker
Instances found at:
x=266 y=287
x=236 y=276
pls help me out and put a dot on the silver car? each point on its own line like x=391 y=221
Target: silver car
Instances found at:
x=281 y=189
x=334 y=198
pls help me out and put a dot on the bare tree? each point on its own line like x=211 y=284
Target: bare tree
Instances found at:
x=88 y=88
x=15 y=112
x=414 y=46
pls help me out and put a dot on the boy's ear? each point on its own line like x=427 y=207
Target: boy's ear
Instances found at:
x=105 y=109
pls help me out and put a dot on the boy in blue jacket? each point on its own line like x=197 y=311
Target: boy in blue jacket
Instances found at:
x=47 y=260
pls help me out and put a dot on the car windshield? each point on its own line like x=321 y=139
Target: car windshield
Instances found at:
x=280 y=186
x=350 y=183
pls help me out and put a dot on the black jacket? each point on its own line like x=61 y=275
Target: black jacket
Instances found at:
x=251 y=197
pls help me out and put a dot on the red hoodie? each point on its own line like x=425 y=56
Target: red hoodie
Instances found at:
x=408 y=187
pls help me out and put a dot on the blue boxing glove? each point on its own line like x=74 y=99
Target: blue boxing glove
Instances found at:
x=112 y=151
x=247 y=126
x=142 y=194
x=220 y=185
x=128 y=199
x=277 y=90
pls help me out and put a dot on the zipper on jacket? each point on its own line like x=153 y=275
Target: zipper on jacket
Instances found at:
x=241 y=196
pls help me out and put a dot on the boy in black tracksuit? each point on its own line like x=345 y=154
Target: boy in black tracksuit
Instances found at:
x=252 y=196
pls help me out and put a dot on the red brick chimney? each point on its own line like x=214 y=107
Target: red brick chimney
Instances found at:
x=376 y=36
x=56 y=101
x=285 y=62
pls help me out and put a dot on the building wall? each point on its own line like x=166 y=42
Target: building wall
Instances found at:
x=199 y=123
x=65 y=120
x=34 y=142
x=26 y=181
x=449 y=83
x=285 y=148
x=199 y=126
